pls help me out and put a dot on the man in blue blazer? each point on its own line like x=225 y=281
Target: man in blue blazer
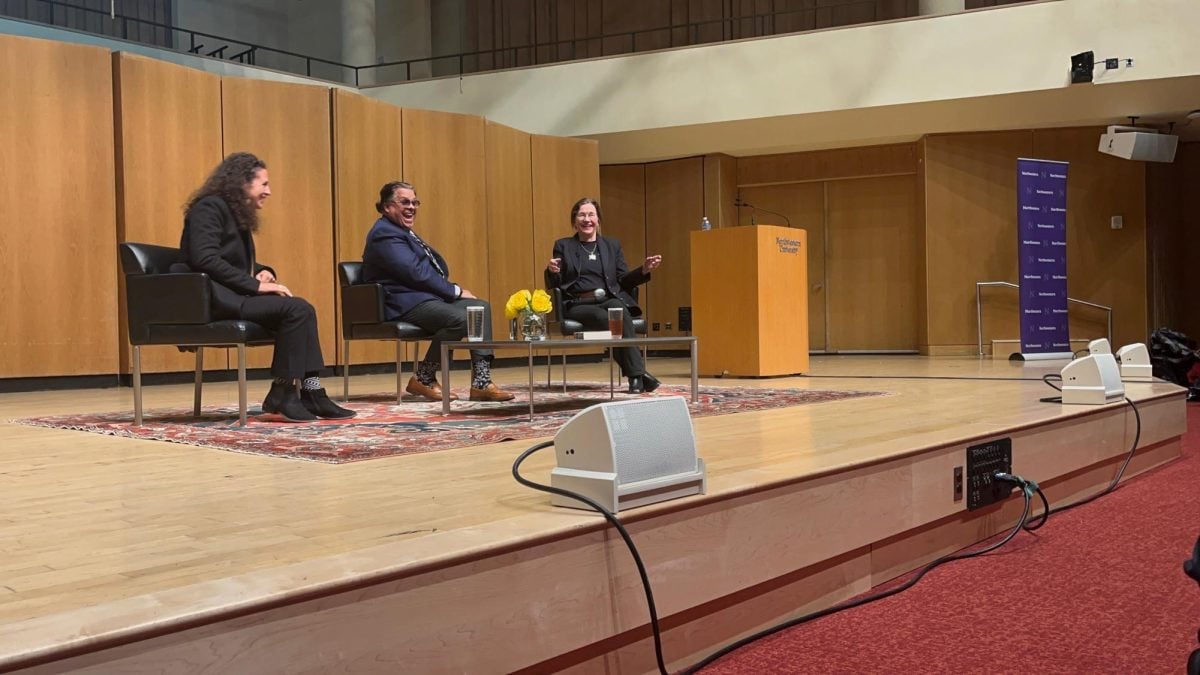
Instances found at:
x=417 y=289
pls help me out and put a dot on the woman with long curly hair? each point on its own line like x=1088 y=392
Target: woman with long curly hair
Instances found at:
x=218 y=227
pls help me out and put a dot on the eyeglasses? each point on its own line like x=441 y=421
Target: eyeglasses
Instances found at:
x=415 y=203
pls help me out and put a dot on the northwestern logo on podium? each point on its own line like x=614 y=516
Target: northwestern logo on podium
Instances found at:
x=788 y=245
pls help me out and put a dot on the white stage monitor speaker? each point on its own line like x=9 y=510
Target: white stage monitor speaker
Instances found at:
x=1092 y=380
x=1135 y=363
x=1099 y=346
x=628 y=453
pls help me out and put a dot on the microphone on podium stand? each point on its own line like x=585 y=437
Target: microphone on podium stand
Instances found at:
x=739 y=202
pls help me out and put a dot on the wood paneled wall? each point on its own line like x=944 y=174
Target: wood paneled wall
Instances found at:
x=58 y=235
x=288 y=127
x=444 y=158
x=674 y=207
x=872 y=254
x=1173 y=214
x=899 y=235
x=161 y=105
x=971 y=234
x=564 y=170
x=623 y=201
x=514 y=262
x=367 y=153
x=131 y=138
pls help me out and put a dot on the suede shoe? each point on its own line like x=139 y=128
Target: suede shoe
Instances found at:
x=490 y=393
x=431 y=392
x=649 y=382
x=319 y=404
x=635 y=384
x=283 y=400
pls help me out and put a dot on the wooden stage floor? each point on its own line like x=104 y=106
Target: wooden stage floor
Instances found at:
x=158 y=553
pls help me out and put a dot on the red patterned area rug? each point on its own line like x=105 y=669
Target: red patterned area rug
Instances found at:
x=384 y=429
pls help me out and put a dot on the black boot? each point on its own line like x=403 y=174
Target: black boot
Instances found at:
x=284 y=401
x=635 y=384
x=318 y=403
x=649 y=383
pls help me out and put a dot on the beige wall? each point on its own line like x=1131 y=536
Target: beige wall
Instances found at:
x=678 y=102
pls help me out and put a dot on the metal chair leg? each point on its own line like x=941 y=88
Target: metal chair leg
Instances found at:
x=345 y=370
x=241 y=384
x=399 y=370
x=564 y=371
x=137 y=385
x=199 y=381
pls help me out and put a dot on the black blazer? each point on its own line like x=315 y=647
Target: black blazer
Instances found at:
x=619 y=281
x=212 y=243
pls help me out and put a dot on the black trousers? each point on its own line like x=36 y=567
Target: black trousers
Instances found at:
x=595 y=317
x=294 y=322
x=448 y=321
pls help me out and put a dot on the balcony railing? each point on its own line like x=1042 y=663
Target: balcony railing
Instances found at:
x=530 y=48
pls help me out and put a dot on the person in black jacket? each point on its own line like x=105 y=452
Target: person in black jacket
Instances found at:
x=218 y=239
x=591 y=271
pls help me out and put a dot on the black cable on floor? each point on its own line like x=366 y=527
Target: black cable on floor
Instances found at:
x=612 y=519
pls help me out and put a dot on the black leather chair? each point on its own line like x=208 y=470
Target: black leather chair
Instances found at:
x=363 y=319
x=172 y=308
x=568 y=328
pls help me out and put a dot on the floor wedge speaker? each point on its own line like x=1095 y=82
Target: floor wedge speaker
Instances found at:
x=628 y=453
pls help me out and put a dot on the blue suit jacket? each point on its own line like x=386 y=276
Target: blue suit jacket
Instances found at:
x=394 y=258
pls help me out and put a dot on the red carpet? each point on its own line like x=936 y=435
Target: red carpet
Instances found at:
x=1099 y=589
x=384 y=429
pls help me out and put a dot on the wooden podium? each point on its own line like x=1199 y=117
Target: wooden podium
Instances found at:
x=750 y=300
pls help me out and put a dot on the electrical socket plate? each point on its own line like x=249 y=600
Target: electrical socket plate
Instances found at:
x=983 y=461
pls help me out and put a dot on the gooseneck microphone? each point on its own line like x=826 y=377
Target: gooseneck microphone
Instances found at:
x=754 y=221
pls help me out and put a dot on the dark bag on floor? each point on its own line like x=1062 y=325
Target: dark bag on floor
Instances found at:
x=1172 y=355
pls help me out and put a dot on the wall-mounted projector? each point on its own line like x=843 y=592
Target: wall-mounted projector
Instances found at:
x=1139 y=143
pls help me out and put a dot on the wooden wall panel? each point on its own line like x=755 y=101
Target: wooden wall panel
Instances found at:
x=367 y=153
x=168 y=139
x=1173 y=208
x=58 y=284
x=623 y=198
x=674 y=207
x=513 y=262
x=564 y=170
x=971 y=234
x=444 y=159
x=804 y=205
x=970 y=228
x=720 y=190
x=799 y=167
x=873 y=252
x=288 y=127
x=1104 y=266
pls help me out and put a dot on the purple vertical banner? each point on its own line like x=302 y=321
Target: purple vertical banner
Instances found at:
x=1042 y=251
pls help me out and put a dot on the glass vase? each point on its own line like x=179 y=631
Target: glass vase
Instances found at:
x=532 y=326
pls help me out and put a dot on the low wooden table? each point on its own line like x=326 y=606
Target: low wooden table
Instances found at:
x=533 y=346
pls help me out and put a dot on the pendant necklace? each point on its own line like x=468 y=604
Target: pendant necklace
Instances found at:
x=592 y=253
